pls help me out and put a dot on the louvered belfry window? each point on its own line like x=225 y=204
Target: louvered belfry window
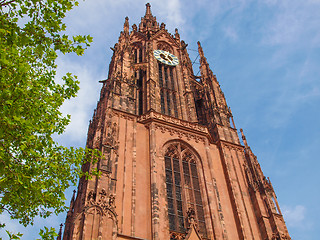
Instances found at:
x=168 y=93
x=183 y=188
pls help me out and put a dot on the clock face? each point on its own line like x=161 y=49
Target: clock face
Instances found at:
x=166 y=57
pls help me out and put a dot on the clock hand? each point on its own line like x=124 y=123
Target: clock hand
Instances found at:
x=163 y=56
x=169 y=58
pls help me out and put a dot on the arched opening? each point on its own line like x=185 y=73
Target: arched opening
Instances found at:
x=168 y=92
x=168 y=85
x=183 y=189
x=138 y=53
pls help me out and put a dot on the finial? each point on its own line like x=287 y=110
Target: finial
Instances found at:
x=74 y=193
x=134 y=27
x=148 y=9
x=177 y=34
x=243 y=138
x=200 y=50
x=60 y=232
x=191 y=215
x=126 y=25
x=162 y=26
x=72 y=200
x=183 y=45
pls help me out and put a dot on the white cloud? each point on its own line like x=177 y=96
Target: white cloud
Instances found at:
x=293 y=21
x=81 y=107
x=294 y=216
x=174 y=15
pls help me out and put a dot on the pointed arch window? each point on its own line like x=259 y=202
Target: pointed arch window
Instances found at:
x=168 y=92
x=183 y=189
x=137 y=52
x=140 y=82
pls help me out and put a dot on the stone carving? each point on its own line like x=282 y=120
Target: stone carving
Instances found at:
x=103 y=195
x=251 y=182
x=111 y=132
x=191 y=213
x=162 y=26
x=177 y=236
x=169 y=119
x=123 y=115
x=180 y=134
x=91 y=198
x=164 y=46
x=111 y=200
x=282 y=236
x=106 y=203
x=134 y=27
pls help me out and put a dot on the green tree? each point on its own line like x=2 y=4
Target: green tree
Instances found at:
x=35 y=170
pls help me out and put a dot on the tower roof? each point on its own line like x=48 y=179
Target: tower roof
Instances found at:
x=148 y=22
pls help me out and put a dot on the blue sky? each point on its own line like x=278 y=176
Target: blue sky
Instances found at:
x=266 y=55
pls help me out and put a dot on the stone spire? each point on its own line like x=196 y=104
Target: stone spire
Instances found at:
x=148 y=10
x=60 y=232
x=203 y=59
x=148 y=23
x=200 y=50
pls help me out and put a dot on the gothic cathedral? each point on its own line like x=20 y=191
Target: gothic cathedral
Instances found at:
x=173 y=166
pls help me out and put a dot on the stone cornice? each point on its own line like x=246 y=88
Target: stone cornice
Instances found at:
x=122 y=114
x=228 y=144
x=153 y=116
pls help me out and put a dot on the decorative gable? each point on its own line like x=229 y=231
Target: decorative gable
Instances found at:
x=193 y=233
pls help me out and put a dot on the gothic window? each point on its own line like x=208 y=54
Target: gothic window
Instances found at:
x=200 y=111
x=167 y=90
x=183 y=189
x=140 y=75
x=140 y=55
x=137 y=53
x=174 y=96
x=163 y=110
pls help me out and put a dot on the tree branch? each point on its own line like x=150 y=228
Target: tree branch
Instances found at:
x=7 y=210
x=3 y=3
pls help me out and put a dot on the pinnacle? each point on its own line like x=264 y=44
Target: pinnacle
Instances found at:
x=243 y=138
x=200 y=50
x=148 y=9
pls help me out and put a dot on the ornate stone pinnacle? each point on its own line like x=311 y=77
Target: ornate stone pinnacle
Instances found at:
x=148 y=9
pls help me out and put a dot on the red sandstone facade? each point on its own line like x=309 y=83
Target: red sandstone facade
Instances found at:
x=173 y=166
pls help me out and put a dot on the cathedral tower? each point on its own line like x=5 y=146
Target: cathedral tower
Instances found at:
x=173 y=166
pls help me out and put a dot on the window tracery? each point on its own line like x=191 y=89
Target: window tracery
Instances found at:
x=137 y=52
x=183 y=189
x=140 y=81
x=165 y=47
x=168 y=84
x=168 y=92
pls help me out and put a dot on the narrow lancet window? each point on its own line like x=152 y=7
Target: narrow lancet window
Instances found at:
x=168 y=94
